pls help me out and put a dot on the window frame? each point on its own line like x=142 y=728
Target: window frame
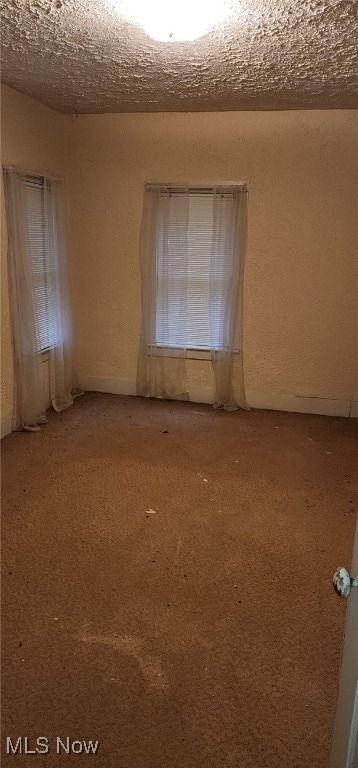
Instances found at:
x=39 y=182
x=191 y=352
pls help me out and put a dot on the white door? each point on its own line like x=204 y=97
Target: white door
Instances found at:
x=345 y=735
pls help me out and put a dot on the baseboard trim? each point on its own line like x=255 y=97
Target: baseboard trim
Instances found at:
x=316 y=405
x=322 y=406
x=6 y=422
x=110 y=385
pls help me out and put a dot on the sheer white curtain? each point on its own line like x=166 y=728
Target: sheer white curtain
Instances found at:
x=192 y=252
x=161 y=363
x=38 y=280
x=226 y=297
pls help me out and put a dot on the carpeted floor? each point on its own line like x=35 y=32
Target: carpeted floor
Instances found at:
x=204 y=635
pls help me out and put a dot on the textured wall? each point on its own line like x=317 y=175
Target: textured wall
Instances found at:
x=300 y=322
x=300 y=288
x=32 y=137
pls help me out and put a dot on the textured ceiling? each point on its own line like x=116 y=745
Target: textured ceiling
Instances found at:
x=80 y=55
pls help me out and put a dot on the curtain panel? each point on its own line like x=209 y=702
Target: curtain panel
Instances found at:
x=192 y=257
x=30 y=404
x=161 y=368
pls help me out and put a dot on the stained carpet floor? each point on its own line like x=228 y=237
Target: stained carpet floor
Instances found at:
x=204 y=635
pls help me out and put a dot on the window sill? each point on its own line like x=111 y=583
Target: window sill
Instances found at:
x=198 y=354
x=44 y=355
x=193 y=353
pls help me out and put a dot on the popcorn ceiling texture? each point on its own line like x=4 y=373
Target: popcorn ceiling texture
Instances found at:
x=81 y=55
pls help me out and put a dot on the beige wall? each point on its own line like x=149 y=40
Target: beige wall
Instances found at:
x=32 y=137
x=300 y=285
x=300 y=288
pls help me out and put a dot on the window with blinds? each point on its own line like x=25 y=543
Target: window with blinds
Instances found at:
x=184 y=280
x=36 y=227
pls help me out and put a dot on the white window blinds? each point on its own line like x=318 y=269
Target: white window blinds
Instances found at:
x=189 y=297
x=38 y=247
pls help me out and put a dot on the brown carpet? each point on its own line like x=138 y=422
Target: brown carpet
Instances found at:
x=205 y=635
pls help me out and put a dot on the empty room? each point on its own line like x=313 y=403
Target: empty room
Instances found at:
x=179 y=383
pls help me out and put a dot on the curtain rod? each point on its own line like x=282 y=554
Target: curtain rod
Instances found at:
x=196 y=187
x=194 y=183
x=33 y=174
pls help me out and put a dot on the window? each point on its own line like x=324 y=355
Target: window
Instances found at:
x=192 y=258
x=40 y=300
x=189 y=297
x=39 y=243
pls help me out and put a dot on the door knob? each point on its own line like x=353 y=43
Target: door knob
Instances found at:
x=343 y=582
